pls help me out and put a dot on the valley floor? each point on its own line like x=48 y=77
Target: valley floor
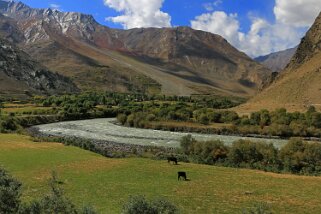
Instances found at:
x=106 y=184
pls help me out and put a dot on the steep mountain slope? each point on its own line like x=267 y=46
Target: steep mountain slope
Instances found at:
x=277 y=61
x=9 y=30
x=299 y=86
x=20 y=76
x=177 y=61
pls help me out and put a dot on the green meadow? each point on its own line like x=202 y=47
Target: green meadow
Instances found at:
x=106 y=184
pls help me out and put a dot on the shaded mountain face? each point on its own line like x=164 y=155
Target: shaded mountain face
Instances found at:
x=277 y=61
x=298 y=86
x=178 y=61
x=9 y=30
x=20 y=75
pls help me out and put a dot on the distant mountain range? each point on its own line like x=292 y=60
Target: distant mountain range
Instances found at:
x=173 y=61
x=299 y=85
x=277 y=61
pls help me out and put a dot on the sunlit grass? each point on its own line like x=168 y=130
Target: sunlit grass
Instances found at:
x=106 y=183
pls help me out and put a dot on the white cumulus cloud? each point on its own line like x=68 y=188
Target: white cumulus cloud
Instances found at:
x=298 y=13
x=293 y=17
x=139 y=13
x=219 y=22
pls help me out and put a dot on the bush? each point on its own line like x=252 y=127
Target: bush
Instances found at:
x=139 y=204
x=122 y=118
x=204 y=119
x=10 y=192
x=209 y=152
x=187 y=143
x=229 y=116
x=254 y=155
x=8 y=124
x=301 y=157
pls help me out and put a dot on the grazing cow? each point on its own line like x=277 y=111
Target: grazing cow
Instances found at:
x=181 y=174
x=173 y=159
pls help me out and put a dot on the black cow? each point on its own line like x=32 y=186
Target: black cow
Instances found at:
x=181 y=174
x=173 y=159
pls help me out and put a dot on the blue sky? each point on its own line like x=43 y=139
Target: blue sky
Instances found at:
x=181 y=11
x=256 y=27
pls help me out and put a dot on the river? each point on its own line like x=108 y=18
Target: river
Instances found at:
x=107 y=130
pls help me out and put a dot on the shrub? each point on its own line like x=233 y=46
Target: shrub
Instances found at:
x=122 y=118
x=139 y=204
x=203 y=119
x=251 y=154
x=10 y=192
x=186 y=143
x=301 y=157
x=8 y=124
x=150 y=117
x=210 y=152
x=229 y=116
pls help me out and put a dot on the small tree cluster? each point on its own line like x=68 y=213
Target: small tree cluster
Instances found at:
x=296 y=156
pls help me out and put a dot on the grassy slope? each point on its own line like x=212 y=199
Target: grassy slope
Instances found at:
x=107 y=183
x=295 y=90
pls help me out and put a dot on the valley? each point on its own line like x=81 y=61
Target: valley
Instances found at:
x=148 y=115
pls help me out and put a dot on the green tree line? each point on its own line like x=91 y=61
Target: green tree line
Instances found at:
x=297 y=156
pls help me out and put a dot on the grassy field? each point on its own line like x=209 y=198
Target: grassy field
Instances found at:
x=106 y=183
x=23 y=108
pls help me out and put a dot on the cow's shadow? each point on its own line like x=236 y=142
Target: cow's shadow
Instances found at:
x=187 y=179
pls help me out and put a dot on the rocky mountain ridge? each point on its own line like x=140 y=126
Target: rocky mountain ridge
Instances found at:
x=180 y=61
x=22 y=75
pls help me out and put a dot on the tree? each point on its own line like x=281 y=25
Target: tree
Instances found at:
x=280 y=116
x=203 y=119
x=255 y=118
x=316 y=119
x=292 y=155
x=265 y=118
x=229 y=116
x=214 y=117
x=10 y=192
x=253 y=154
x=187 y=143
x=311 y=110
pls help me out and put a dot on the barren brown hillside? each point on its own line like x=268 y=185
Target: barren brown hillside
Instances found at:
x=20 y=75
x=299 y=86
